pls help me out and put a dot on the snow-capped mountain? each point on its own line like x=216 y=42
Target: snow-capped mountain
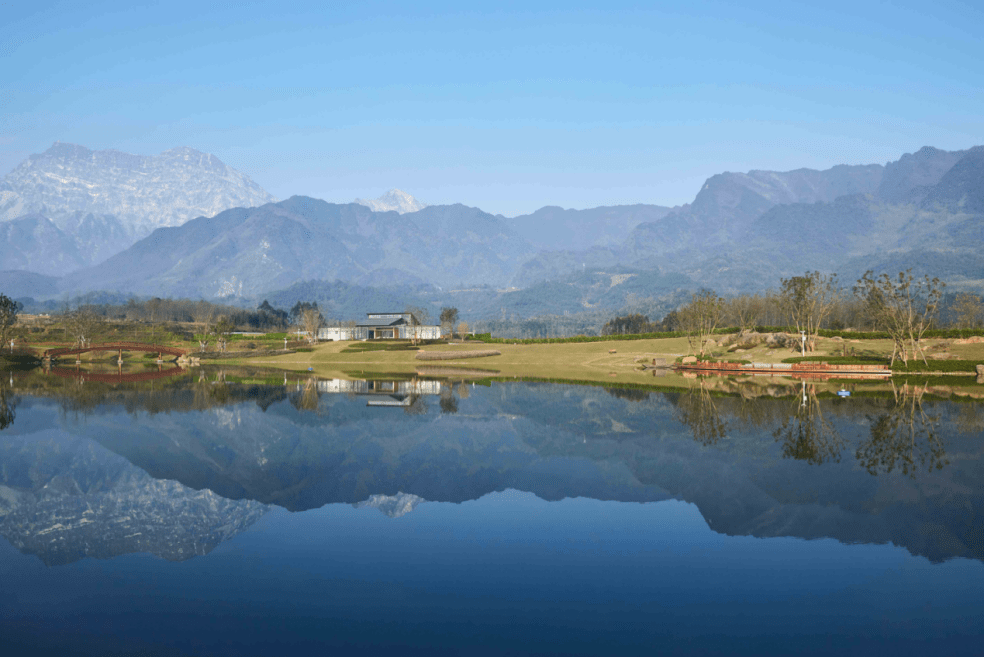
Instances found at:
x=104 y=201
x=394 y=200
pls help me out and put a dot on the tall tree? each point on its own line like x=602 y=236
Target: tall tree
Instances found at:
x=449 y=317
x=905 y=307
x=223 y=328
x=8 y=317
x=807 y=300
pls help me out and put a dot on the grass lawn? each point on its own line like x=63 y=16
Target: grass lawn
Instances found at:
x=589 y=361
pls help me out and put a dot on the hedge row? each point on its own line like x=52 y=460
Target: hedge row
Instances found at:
x=826 y=333
x=839 y=360
x=485 y=337
x=916 y=365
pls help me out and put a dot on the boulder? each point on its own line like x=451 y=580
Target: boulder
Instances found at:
x=689 y=359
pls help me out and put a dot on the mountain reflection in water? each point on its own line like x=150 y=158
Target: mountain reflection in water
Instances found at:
x=210 y=450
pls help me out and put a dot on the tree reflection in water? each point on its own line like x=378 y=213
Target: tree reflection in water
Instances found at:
x=308 y=397
x=805 y=434
x=448 y=402
x=210 y=393
x=417 y=406
x=906 y=437
x=697 y=410
x=6 y=407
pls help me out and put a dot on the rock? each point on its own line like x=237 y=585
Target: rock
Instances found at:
x=980 y=369
x=689 y=359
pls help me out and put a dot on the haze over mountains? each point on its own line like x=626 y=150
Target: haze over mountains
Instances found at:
x=216 y=234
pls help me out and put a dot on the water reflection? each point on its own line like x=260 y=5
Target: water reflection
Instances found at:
x=697 y=410
x=905 y=437
x=762 y=459
x=805 y=434
x=63 y=499
x=7 y=414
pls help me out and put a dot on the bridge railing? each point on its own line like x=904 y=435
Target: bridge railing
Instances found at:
x=115 y=346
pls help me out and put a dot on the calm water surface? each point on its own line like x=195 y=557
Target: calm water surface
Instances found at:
x=208 y=514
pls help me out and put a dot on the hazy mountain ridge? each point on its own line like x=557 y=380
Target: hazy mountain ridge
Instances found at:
x=743 y=231
x=245 y=252
x=103 y=201
x=555 y=228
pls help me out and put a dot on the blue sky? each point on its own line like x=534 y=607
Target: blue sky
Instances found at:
x=507 y=107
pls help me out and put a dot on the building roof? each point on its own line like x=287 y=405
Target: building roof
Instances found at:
x=381 y=321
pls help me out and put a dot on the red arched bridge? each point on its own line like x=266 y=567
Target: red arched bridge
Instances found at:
x=159 y=349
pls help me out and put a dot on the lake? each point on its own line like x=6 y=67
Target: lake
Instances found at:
x=243 y=512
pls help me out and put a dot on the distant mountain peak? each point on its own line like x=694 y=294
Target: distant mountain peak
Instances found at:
x=395 y=200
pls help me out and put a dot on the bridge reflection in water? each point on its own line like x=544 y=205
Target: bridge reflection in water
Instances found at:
x=118 y=376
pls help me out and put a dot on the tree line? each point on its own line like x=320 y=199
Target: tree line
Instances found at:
x=904 y=307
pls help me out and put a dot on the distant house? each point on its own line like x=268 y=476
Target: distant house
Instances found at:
x=381 y=326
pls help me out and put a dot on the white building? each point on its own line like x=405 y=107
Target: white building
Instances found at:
x=381 y=326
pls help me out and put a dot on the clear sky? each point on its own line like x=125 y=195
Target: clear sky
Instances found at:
x=504 y=106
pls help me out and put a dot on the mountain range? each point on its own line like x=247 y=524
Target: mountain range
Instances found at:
x=71 y=207
x=194 y=227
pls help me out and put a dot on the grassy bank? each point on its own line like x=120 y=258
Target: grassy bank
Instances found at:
x=596 y=361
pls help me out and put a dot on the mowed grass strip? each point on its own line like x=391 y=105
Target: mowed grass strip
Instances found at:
x=453 y=355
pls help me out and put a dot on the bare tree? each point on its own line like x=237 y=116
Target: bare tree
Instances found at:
x=204 y=315
x=744 y=312
x=462 y=329
x=312 y=320
x=967 y=310
x=418 y=317
x=700 y=317
x=81 y=323
x=807 y=300
x=905 y=307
